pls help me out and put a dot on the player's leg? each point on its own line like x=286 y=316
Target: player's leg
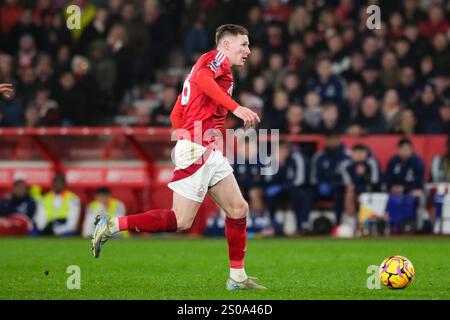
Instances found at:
x=227 y=195
x=179 y=218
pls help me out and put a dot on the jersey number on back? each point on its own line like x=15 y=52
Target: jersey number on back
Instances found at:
x=186 y=89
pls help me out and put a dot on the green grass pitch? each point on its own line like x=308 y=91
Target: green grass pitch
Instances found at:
x=185 y=268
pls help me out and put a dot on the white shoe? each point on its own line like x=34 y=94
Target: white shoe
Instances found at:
x=247 y=284
x=101 y=234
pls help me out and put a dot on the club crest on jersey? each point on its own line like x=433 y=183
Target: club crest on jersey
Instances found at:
x=215 y=64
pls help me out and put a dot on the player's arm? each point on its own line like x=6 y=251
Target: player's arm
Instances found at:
x=205 y=80
x=176 y=116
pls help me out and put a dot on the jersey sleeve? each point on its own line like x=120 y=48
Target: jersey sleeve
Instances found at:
x=176 y=116
x=206 y=82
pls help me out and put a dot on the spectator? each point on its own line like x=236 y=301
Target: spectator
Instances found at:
x=63 y=59
x=294 y=123
x=426 y=110
x=160 y=30
x=291 y=84
x=299 y=60
x=72 y=101
x=412 y=12
x=17 y=212
x=405 y=175
x=406 y=171
x=161 y=114
x=26 y=26
x=59 y=210
x=440 y=167
x=258 y=215
x=330 y=119
x=361 y=174
x=96 y=30
x=313 y=111
x=370 y=120
x=43 y=13
x=45 y=75
x=444 y=112
x=27 y=52
x=371 y=80
x=10 y=14
x=427 y=68
x=56 y=35
x=289 y=187
x=117 y=41
x=391 y=109
x=404 y=53
x=255 y=26
x=197 y=41
x=275 y=73
x=275 y=39
x=326 y=173
x=103 y=68
x=353 y=73
x=340 y=57
x=299 y=23
x=419 y=45
x=407 y=88
x=435 y=23
x=371 y=49
x=247 y=168
x=262 y=89
x=395 y=27
x=274 y=116
x=6 y=68
x=48 y=109
x=389 y=75
x=31 y=117
x=327 y=85
x=256 y=61
x=275 y=10
x=103 y=203
x=352 y=104
x=11 y=110
x=441 y=53
x=406 y=124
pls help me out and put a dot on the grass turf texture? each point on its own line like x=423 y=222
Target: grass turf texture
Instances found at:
x=181 y=268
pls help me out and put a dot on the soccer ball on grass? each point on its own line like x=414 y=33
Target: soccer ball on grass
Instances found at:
x=396 y=272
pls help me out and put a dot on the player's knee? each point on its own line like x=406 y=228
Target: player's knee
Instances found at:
x=183 y=223
x=240 y=210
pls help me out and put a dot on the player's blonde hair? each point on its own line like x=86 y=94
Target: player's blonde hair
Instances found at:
x=227 y=29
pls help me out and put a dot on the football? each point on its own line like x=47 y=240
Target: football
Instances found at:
x=396 y=272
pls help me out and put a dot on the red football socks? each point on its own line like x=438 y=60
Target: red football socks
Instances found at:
x=157 y=220
x=236 y=234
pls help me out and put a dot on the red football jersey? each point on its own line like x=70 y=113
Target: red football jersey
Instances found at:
x=198 y=108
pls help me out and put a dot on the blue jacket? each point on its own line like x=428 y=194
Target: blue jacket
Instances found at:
x=293 y=173
x=25 y=206
x=327 y=167
x=248 y=175
x=366 y=182
x=332 y=90
x=409 y=173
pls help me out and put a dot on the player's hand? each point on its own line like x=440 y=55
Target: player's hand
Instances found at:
x=249 y=117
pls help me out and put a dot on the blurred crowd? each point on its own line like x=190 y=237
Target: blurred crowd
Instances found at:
x=333 y=179
x=27 y=210
x=315 y=66
x=286 y=202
